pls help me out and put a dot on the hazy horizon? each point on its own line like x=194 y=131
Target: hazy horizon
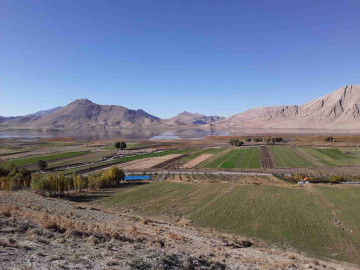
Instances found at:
x=214 y=58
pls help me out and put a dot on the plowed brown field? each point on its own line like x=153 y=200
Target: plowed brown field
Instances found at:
x=196 y=161
x=267 y=161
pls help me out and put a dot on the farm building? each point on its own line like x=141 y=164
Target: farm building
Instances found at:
x=137 y=178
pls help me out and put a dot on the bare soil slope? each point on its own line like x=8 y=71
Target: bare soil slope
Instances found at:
x=340 y=109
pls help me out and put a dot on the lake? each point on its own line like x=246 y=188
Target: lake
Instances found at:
x=166 y=134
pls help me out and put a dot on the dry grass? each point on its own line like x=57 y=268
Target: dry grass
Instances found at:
x=5 y=210
x=177 y=237
x=10 y=242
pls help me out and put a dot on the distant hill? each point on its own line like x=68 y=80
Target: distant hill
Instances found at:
x=187 y=118
x=142 y=112
x=83 y=113
x=45 y=112
x=19 y=120
x=4 y=119
x=339 y=109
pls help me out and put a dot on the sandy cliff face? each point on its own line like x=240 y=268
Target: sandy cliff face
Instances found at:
x=340 y=109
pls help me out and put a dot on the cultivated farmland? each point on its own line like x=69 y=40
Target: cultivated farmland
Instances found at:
x=330 y=156
x=192 y=163
x=246 y=158
x=285 y=157
x=307 y=219
x=32 y=160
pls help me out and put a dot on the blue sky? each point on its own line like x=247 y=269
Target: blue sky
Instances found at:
x=212 y=57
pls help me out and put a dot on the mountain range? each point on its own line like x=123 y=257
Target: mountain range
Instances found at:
x=339 y=109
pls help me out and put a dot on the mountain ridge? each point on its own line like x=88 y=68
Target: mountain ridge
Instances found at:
x=187 y=118
x=338 y=109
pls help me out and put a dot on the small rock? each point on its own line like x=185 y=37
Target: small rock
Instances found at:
x=7 y=230
x=92 y=240
x=60 y=240
x=112 y=263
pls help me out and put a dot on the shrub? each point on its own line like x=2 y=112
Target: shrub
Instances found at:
x=106 y=179
x=57 y=183
x=12 y=178
x=276 y=139
x=299 y=176
x=80 y=182
x=41 y=164
x=115 y=174
x=329 y=139
x=40 y=183
x=94 y=180
x=236 y=142
x=336 y=178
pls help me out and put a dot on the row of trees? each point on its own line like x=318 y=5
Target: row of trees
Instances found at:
x=12 y=178
x=329 y=139
x=269 y=139
x=58 y=183
x=120 y=145
x=236 y=142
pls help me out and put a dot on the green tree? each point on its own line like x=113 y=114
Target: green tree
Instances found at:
x=236 y=142
x=123 y=145
x=41 y=164
x=232 y=142
x=120 y=145
x=329 y=139
x=117 y=145
x=258 y=139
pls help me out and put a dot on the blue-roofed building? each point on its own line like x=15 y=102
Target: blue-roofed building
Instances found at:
x=136 y=177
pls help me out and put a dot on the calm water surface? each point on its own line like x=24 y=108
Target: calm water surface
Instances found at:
x=169 y=134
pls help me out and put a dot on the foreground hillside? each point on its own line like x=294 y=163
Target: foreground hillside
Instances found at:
x=322 y=221
x=42 y=233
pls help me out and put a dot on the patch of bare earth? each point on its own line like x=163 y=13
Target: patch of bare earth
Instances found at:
x=267 y=161
x=46 y=233
x=168 y=162
x=144 y=163
x=196 y=161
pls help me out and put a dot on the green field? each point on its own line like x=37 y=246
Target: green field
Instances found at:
x=32 y=160
x=330 y=156
x=285 y=157
x=246 y=158
x=321 y=221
